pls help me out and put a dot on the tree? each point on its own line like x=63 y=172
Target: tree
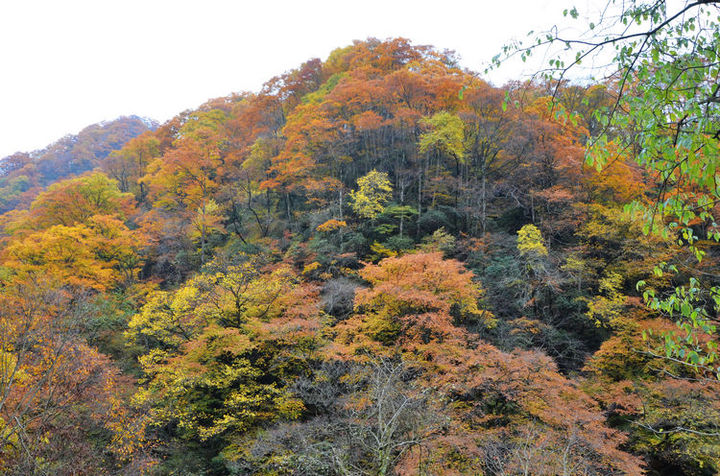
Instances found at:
x=185 y=180
x=310 y=136
x=74 y=201
x=128 y=164
x=54 y=388
x=445 y=135
x=220 y=352
x=207 y=219
x=672 y=418
x=545 y=156
x=605 y=309
x=366 y=418
x=415 y=300
x=532 y=249
x=401 y=212
x=374 y=191
x=420 y=307
x=530 y=242
x=100 y=254
x=488 y=128
x=666 y=108
x=445 y=139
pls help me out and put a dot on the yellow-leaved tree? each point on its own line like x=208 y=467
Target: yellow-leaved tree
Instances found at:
x=530 y=242
x=374 y=191
x=220 y=352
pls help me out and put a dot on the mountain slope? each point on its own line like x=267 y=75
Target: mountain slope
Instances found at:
x=22 y=174
x=377 y=264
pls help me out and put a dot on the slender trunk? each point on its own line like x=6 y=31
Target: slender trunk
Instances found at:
x=263 y=228
x=483 y=215
x=459 y=183
x=267 y=201
x=419 y=204
x=532 y=207
x=143 y=193
x=202 y=235
x=437 y=176
x=402 y=202
x=341 y=202
x=385 y=458
x=287 y=206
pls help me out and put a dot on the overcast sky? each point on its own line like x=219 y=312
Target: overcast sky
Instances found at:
x=66 y=64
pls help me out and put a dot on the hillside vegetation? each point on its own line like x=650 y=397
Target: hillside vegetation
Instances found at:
x=23 y=175
x=377 y=264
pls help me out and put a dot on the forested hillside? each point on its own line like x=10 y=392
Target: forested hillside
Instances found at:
x=23 y=175
x=377 y=264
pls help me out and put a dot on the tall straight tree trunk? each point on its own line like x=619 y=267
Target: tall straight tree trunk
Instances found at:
x=419 y=204
x=287 y=206
x=203 y=233
x=402 y=202
x=483 y=215
x=341 y=202
x=532 y=206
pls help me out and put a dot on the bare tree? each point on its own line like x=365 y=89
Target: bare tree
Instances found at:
x=388 y=418
x=369 y=416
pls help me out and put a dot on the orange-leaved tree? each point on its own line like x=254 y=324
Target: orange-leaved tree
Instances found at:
x=510 y=412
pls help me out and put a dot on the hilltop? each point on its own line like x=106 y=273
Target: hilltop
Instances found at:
x=24 y=174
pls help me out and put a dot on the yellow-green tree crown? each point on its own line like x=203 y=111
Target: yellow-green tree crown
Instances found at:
x=374 y=191
x=530 y=241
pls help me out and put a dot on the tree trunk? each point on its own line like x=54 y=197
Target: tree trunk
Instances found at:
x=483 y=215
x=532 y=207
x=202 y=235
x=419 y=205
x=287 y=206
x=402 y=202
x=341 y=202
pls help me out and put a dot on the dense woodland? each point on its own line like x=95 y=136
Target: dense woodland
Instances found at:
x=378 y=264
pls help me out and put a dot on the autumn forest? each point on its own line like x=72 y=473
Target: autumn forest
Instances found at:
x=378 y=264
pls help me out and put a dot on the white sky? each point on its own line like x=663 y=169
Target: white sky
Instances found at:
x=66 y=64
